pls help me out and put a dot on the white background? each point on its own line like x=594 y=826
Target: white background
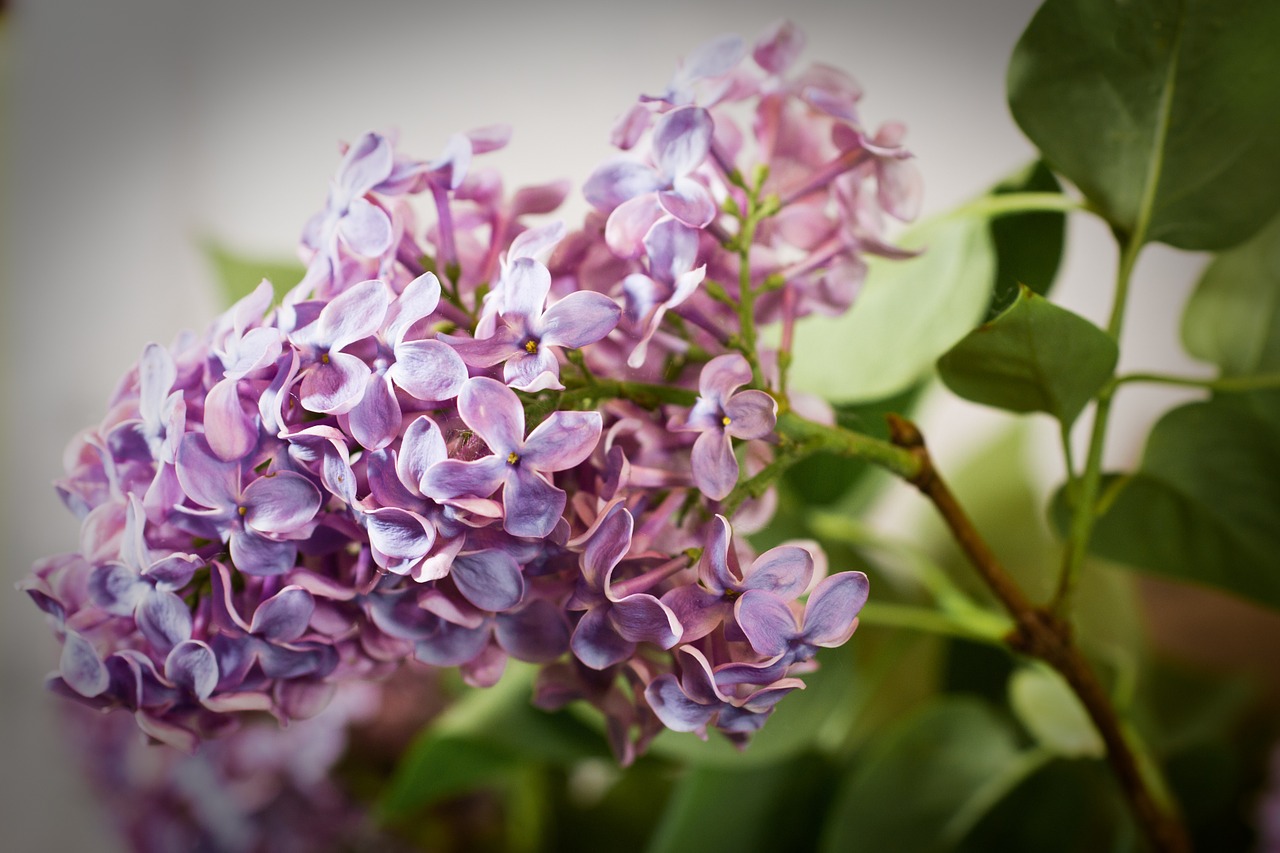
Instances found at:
x=136 y=128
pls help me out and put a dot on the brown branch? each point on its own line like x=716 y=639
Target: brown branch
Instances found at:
x=1039 y=633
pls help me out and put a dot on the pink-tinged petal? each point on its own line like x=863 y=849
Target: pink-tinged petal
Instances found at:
x=778 y=48
x=81 y=668
x=536 y=243
x=284 y=616
x=681 y=140
x=525 y=286
x=164 y=620
x=764 y=700
x=714 y=568
x=689 y=202
x=258 y=348
x=767 y=622
x=134 y=552
x=715 y=468
x=713 y=58
x=609 y=543
x=334 y=388
x=422 y=446
x=168 y=733
x=280 y=502
x=114 y=588
x=493 y=411
x=536 y=633
x=830 y=616
x=723 y=375
x=238 y=703
x=672 y=248
x=486 y=352
x=489 y=138
x=366 y=164
x=618 y=181
x=643 y=618
x=486 y=668
x=399 y=538
x=699 y=611
x=629 y=222
x=256 y=555
x=355 y=314
x=375 y=420
x=429 y=370
x=193 y=666
x=597 y=643
x=232 y=432
x=206 y=479
x=532 y=505
x=784 y=571
x=629 y=127
x=579 y=319
x=454 y=478
x=156 y=375
x=696 y=678
x=418 y=299
x=562 y=441
x=542 y=198
x=489 y=579
x=173 y=572
x=533 y=373
x=676 y=710
x=225 y=614
x=366 y=229
x=900 y=189
x=303 y=698
x=751 y=414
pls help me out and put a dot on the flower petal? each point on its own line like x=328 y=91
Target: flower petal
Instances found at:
x=643 y=618
x=494 y=412
x=676 y=710
x=625 y=230
x=257 y=555
x=597 y=643
x=532 y=505
x=526 y=284
x=751 y=414
x=375 y=420
x=280 y=502
x=206 y=479
x=766 y=621
x=723 y=375
x=192 y=665
x=581 y=318
x=715 y=468
x=334 y=387
x=689 y=202
x=613 y=183
x=536 y=633
x=681 y=140
x=562 y=441
x=489 y=579
x=830 y=616
x=429 y=370
x=366 y=229
x=784 y=571
x=455 y=478
x=81 y=668
x=163 y=618
x=284 y=616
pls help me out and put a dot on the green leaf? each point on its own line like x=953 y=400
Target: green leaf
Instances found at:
x=1051 y=712
x=441 y=765
x=1205 y=504
x=238 y=274
x=1233 y=317
x=908 y=313
x=1028 y=246
x=924 y=784
x=1163 y=112
x=756 y=808
x=1035 y=357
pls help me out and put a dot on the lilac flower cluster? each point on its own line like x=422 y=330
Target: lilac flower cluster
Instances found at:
x=480 y=438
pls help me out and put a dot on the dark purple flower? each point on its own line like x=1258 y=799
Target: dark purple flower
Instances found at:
x=518 y=465
x=720 y=413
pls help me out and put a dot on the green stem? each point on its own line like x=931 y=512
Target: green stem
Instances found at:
x=1226 y=384
x=991 y=631
x=1006 y=204
x=844 y=442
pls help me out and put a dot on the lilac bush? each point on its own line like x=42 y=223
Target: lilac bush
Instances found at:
x=465 y=436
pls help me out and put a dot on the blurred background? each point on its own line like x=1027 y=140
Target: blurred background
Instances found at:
x=136 y=130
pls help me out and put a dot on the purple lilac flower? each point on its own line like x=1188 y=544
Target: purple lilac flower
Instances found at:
x=719 y=414
x=517 y=464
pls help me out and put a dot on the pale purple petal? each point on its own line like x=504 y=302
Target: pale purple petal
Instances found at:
x=494 y=412
x=173 y=572
x=608 y=544
x=366 y=228
x=429 y=370
x=689 y=202
x=676 y=710
x=533 y=506
x=452 y=645
x=715 y=469
x=672 y=248
x=713 y=568
x=257 y=555
x=698 y=611
x=536 y=243
x=830 y=616
x=418 y=299
x=193 y=666
x=900 y=189
x=206 y=479
x=562 y=441
x=486 y=352
x=784 y=571
x=629 y=222
x=752 y=414
x=156 y=375
x=778 y=48
x=579 y=319
x=489 y=579
x=115 y=588
x=533 y=372
x=597 y=643
x=334 y=387
x=375 y=420
x=618 y=181
x=454 y=478
x=163 y=618
x=542 y=198
x=81 y=668
x=714 y=58
x=367 y=163
x=629 y=127
x=723 y=375
x=399 y=538
x=231 y=431
x=767 y=622
x=681 y=140
x=643 y=618
x=284 y=616
x=525 y=286
x=354 y=314
x=422 y=446
x=280 y=502
x=258 y=348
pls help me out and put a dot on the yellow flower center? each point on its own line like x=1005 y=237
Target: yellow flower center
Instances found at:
x=531 y=346
x=512 y=458
x=726 y=420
